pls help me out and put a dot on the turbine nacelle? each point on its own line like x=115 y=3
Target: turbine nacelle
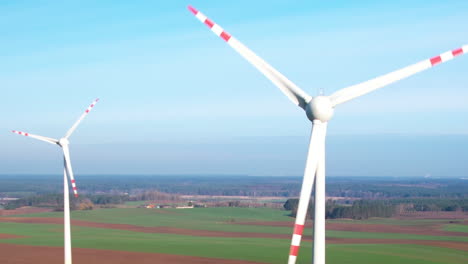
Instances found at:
x=63 y=142
x=320 y=108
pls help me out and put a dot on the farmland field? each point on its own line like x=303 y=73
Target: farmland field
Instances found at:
x=225 y=235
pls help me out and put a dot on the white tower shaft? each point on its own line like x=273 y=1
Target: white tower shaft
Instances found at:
x=66 y=220
x=319 y=219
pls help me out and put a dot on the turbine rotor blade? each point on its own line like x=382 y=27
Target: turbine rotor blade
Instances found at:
x=45 y=139
x=363 y=88
x=317 y=143
x=294 y=93
x=68 y=168
x=75 y=125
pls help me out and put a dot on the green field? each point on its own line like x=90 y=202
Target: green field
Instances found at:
x=224 y=219
x=456 y=228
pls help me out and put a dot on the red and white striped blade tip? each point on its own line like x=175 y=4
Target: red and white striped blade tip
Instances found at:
x=448 y=55
x=192 y=9
x=92 y=105
x=75 y=190
x=215 y=28
x=94 y=102
x=296 y=241
x=20 y=133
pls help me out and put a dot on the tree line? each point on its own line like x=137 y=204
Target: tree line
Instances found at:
x=88 y=201
x=361 y=209
x=364 y=209
x=55 y=201
x=432 y=205
x=352 y=187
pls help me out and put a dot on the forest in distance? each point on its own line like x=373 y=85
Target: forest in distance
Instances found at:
x=348 y=197
x=232 y=185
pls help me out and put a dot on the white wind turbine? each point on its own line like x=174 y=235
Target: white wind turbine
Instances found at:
x=63 y=143
x=319 y=110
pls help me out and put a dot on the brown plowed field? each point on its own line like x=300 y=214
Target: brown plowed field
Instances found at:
x=424 y=229
x=24 y=210
x=15 y=254
x=7 y=236
x=433 y=229
x=435 y=243
x=433 y=215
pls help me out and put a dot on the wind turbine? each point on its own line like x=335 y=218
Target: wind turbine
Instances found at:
x=319 y=110
x=63 y=143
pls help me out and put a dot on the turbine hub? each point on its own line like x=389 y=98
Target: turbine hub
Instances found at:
x=320 y=108
x=63 y=141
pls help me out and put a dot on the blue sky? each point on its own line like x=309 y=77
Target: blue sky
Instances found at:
x=176 y=99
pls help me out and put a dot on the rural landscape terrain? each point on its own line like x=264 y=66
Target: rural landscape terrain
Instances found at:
x=191 y=148
x=198 y=219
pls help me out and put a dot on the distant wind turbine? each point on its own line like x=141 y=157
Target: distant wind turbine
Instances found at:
x=63 y=143
x=319 y=110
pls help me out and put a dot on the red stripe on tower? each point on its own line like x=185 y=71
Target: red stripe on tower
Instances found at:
x=298 y=229
x=294 y=250
x=76 y=195
x=457 y=52
x=436 y=60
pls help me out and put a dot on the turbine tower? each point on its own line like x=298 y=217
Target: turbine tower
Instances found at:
x=319 y=111
x=67 y=170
